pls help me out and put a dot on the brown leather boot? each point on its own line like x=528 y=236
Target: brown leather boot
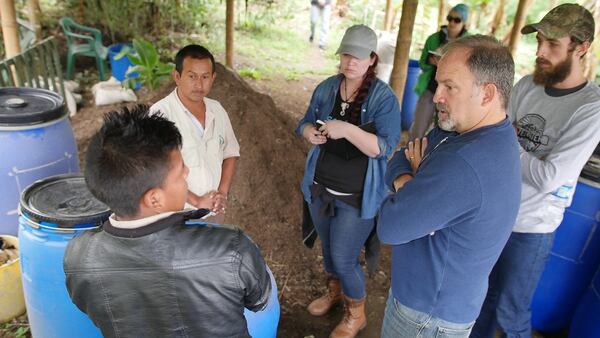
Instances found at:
x=353 y=321
x=323 y=304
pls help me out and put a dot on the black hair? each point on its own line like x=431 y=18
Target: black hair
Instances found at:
x=363 y=90
x=128 y=156
x=194 y=52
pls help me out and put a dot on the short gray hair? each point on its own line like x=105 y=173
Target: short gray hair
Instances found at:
x=489 y=61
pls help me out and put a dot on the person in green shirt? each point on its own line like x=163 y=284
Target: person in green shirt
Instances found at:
x=426 y=84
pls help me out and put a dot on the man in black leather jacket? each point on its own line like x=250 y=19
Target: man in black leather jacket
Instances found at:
x=146 y=273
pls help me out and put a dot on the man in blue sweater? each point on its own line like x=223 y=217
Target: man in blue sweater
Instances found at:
x=456 y=196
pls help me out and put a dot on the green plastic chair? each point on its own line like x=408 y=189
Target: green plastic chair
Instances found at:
x=85 y=41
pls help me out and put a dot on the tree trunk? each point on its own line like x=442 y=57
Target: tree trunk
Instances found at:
x=80 y=14
x=590 y=61
x=498 y=17
x=229 y=34
x=387 y=20
x=34 y=18
x=10 y=30
x=399 y=72
x=441 y=12
x=482 y=15
x=515 y=33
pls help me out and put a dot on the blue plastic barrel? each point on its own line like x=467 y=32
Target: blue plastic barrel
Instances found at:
x=53 y=211
x=36 y=141
x=119 y=67
x=586 y=320
x=409 y=98
x=573 y=260
x=263 y=324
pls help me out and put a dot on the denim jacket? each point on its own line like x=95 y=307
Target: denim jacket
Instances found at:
x=380 y=106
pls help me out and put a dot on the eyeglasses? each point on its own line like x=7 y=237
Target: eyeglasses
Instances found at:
x=453 y=19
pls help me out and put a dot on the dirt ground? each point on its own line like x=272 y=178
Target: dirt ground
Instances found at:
x=265 y=197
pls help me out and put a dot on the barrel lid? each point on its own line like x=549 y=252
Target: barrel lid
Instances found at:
x=63 y=200
x=29 y=106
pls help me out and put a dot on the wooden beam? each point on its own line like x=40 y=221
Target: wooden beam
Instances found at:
x=401 y=56
x=515 y=34
x=441 y=13
x=229 y=22
x=387 y=21
x=33 y=11
x=10 y=30
x=590 y=60
x=498 y=17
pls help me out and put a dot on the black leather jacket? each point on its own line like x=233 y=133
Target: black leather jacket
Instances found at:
x=167 y=279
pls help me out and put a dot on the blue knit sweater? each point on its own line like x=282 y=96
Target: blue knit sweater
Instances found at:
x=449 y=224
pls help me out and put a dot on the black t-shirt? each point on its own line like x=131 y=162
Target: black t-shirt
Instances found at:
x=338 y=167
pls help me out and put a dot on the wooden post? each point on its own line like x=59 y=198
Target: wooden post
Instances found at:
x=34 y=18
x=229 y=22
x=387 y=21
x=515 y=34
x=80 y=13
x=498 y=17
x=590 y=60
x=10 y=30
x=441 y=13
x=400 y=70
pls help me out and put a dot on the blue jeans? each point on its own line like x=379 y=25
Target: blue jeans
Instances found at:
x=513 y=281
x=324 y=13
x=401 y=321
x=342 y=238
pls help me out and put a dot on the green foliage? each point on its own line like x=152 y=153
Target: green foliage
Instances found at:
x=251 y=73
x=282 y=51
x=15 y=330
x=122 y=20
x=259 y=16
x=146 y=63
x=257 y=22
x=291 y=76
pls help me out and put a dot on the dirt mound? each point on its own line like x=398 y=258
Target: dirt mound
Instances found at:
x=265 y=200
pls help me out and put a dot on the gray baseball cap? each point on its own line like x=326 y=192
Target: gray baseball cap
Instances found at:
x=358 y=41
x=565 y=20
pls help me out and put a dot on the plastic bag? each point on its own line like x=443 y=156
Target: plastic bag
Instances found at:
x=111 y=91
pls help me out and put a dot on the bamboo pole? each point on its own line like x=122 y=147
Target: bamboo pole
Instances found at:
x=441 y=12
x=10 y=30
x=498 y=17
x=387 y=21
x=515 y=34
x=34 y=18
x=229 y=22
x=400 y=70
x=590 y=60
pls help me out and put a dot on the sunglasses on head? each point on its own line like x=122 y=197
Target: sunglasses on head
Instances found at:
x=454 y=19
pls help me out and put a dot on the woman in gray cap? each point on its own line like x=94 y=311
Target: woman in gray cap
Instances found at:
x=353 y=123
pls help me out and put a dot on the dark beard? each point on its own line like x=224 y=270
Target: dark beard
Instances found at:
x=555 y=75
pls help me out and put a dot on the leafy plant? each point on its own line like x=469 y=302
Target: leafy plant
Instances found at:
x=150 y=70
x=250 y=73
x=16 y=330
